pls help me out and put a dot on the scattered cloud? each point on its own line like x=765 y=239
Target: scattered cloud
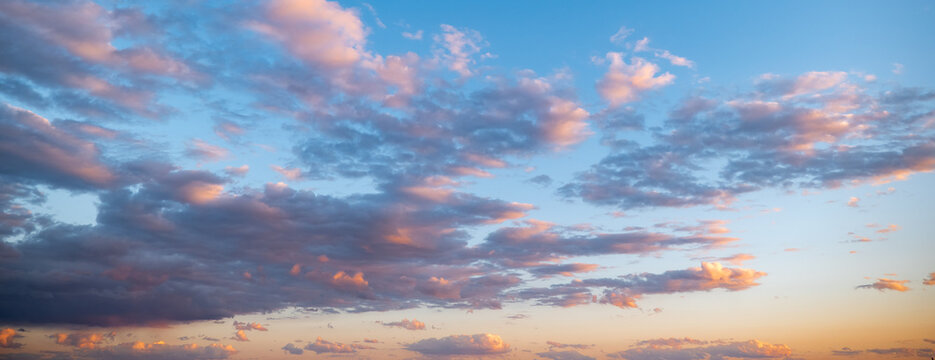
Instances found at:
x=930 y=280
x=7 y=339
x=621 y=35
x=887 y=284
x=623 y=83
x=479 y=344
x=406 y=324
x=292 y=349
x=565 y=355
x=413 y=35
x=853 y=202
x=737 y=349
x=898 y=68
x=457 y=48
x=323 y=346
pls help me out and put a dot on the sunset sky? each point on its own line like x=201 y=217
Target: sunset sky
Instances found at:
x=292 y=179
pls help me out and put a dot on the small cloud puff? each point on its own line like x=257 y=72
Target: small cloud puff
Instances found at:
x=887 y=284
x=478 y=344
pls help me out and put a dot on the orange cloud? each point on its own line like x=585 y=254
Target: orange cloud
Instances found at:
x=853 y=201
x=738 y=259
x=6 y=339
x=345 y=281
x=408 y=325
x=249 y=326
x=479 y=344
x=240 y=335
x=887 y=284
x=200 y=192
x=83 y=340
x=323 y=346
x=930 y=280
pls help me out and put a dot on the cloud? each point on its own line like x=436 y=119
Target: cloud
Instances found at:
x=623 y=83
x=737 y=259
x=413 y=35
x=887 y=284
x=242 y=327
x=201 y=150
x=540 y=241
x=292 y=349
x=563 y=269
x=889 y=228
x=898 y=68
x=323 y=346
x=738 y=349
x=543 y=180
x=240 y=335
x=853 y=202
x=675 y=60
x=675 y=343
x=7 y=339
x=621 y=35
x=478 y=344
x=930 y=280
x=249 y=326
x=903 y=352
x=81 y=64
x=457 y=48
x=641 y=45
x=555 y=344
x=158 y=350
x=808 y=83
x=406 y=324
x=34 y=149
x=846 y=351
x=237 y=171
x=817 y=130
x=288 y=173
x=624 y=291
x=83 y=340
x=228 y=130
x=565 y=355
x=319 y=32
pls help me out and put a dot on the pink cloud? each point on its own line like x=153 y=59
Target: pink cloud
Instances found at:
x=322 y=33
x=237 y=171
x=479 y=344
x=675 y=343
x=45 y=151
x=737 y=259
x=321 y=346
x=853 y=202
x=624 y=82
x=288 y=173
x=458 y=48
x=202 y=150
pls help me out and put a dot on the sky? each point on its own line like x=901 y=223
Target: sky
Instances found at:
x=290 y=179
